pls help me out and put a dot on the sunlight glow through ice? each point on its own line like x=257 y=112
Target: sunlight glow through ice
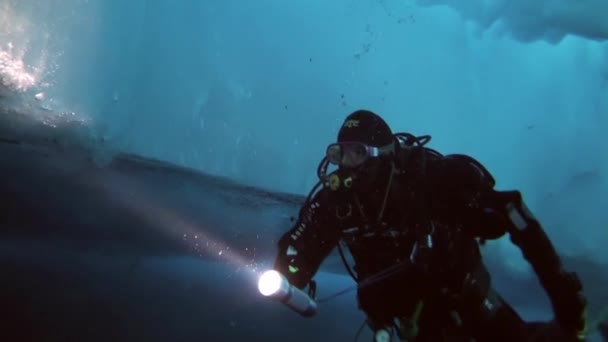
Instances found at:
x=13 y=73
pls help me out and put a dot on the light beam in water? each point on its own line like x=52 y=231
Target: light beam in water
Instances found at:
x=128 y=194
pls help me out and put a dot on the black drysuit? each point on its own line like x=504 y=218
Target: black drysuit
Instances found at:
x=437 y=211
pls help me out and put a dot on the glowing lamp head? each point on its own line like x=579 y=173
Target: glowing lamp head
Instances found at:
x=273 y=284
x=270 y=283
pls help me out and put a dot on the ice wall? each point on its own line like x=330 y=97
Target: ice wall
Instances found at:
x=549 y=20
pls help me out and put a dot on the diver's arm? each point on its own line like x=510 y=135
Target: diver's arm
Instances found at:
x=564 y=288
x=493 y=213
x=302 y=249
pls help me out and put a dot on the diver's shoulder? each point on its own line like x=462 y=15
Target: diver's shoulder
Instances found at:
x=452 y=160
x=433 y=155
x=467 y=166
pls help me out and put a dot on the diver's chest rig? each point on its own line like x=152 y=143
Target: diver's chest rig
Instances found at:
x=421 y=231
x=406 y=146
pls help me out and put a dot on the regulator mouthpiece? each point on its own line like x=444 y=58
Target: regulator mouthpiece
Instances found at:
x=273 y=284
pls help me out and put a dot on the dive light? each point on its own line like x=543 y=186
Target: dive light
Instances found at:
x=273 y=284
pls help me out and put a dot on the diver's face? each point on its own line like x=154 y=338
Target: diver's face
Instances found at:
x=361 y=164
x=354 y=155
x=350 y=154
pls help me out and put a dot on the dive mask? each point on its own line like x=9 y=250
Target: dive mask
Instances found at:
x=354 y=154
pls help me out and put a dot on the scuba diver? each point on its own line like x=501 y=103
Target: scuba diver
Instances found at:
x=413 y=221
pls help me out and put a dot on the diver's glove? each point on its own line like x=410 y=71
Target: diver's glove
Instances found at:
x=569 y=304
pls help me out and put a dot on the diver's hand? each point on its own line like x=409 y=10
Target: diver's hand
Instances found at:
x=569 y=305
